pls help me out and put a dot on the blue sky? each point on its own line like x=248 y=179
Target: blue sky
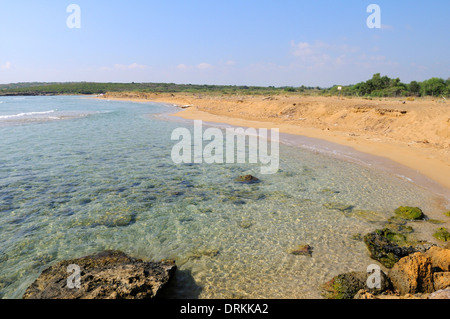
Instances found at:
x=245 y=42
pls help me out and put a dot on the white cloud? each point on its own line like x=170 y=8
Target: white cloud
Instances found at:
x=204 y=66
x=6 y=66
x=182 y=66
x=130 y=66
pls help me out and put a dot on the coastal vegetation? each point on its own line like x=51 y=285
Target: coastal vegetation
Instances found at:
x=377 y=86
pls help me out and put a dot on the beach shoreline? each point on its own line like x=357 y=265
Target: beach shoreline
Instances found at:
x=424 y=154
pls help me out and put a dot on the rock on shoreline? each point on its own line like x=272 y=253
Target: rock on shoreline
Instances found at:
x=106 y=275
x=421 y=275
x=415 y=269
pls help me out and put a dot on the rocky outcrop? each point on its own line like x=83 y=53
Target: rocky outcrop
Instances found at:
x=441 y=280
x=420 y=275
x=412 y=274
x=416 y=270
x=106 y=275
x=440 y=258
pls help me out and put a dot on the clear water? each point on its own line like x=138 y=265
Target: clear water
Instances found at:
x=82 y=175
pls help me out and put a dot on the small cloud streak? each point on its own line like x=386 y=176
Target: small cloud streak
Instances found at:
x=6 y=66
x=124 y=67
x=204 y=66
x=387 y=27
x=130 y=66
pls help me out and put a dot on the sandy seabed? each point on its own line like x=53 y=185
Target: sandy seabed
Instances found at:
x=412 y=133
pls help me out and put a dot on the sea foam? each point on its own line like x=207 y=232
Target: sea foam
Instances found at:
x=25 y=114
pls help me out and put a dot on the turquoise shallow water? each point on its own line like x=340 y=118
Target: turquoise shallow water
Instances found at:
x=81 y=175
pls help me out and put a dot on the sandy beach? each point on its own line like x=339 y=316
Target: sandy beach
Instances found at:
x=413 y=133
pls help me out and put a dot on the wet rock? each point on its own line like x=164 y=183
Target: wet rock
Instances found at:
x=442 y=234
x=402 y=229
x=384 y=246
x=412 y=274
x=248 y=179
x=106 y=275
x=346 y=286
x=302 y=250
x=411 y=213
x=423 y=247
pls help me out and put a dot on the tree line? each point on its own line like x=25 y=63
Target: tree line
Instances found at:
x=377 y=86
x=383 y=86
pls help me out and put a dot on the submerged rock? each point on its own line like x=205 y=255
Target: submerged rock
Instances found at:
x=110 y=219
x=384 y=246
x=106 y=275
x=411 y=213
x=435 y=221
x=248 y=179
x=397 y=228
x=302 y=250
x=367 y=215
x=346 y=286
x=198 y=254
x=442 y=234
x=339 y=206
x=245 y=223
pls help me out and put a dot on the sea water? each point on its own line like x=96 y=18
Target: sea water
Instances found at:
x=81 y=175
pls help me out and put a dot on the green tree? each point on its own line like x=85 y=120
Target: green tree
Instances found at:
x=414 y=88
x=433 y=87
